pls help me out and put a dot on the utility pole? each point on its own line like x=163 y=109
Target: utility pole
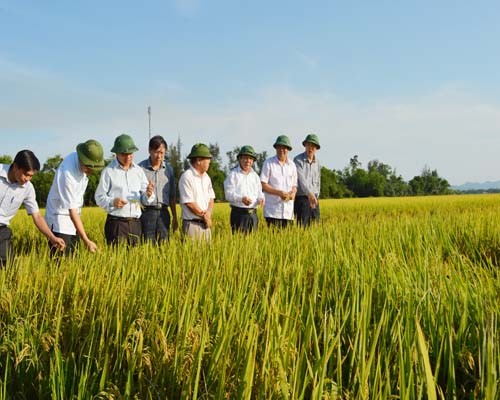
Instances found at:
x=149 y=116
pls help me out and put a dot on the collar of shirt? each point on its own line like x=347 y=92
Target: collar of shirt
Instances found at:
x=147 y=164
x=287 y=161
x=196 y=173
x=304 y=158
x=4 y=173
x=116 y=165
x=238 y=169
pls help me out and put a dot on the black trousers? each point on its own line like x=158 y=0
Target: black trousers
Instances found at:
x=155 y=224
x=303 y=211
x=5 y=245
x=70 y=240
x=117 y=229
x=278 y=223
x=243 y=220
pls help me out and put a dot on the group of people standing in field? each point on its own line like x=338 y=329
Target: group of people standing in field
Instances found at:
x=137 y=197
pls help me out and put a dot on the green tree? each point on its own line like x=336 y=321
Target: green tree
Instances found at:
x=216 y=172
x=52 y=163
x=174 y=157
x=429 y=183
x=5 y=159
x=332 y=185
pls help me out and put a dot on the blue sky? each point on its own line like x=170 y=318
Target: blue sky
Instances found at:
x=410 y=83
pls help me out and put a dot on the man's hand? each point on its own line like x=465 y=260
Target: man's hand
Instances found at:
x=91 y=246
x=119 y=203
x=150 y=188
x=313 y=201
x=58 y=243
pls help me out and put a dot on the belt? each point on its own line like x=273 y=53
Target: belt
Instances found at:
x=157 y=208
x=196 y=221
x=242 y=210
x=125 y=219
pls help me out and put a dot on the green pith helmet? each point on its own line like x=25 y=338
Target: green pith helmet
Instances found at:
x=312 y=138
x=247 y=151
x=200 y=150
x=283 y=141
x=91 y=155
x=124 y=144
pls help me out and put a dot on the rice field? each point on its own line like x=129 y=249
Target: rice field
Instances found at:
x=385 y=299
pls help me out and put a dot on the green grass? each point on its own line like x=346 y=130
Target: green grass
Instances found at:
x=387 y=298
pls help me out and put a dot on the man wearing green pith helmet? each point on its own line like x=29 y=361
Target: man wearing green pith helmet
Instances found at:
x=243 y=190
x=197 y=195
x=123 y=189
x=65 y=199
x=279 y=183
x=306 y=206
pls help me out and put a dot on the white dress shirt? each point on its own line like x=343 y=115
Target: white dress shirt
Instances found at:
x=280 y=177
x=239 y=184
x=194 y=188
x=66 y=192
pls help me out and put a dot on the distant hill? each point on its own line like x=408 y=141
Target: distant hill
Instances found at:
x=477 y=186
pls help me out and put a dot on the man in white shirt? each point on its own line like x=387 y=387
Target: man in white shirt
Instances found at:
x=123 y=189
x=197 y=195
x=243 y=190
x=279 y=183
x=65 y=199
x=16 y=190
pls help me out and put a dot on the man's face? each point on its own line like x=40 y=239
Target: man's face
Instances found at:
x=246 y=163
x=125 y=159
x=86 y=170
x=158 y=155
x=310 y=150
x=281 y=152
x=21 y=176
x=202 y=164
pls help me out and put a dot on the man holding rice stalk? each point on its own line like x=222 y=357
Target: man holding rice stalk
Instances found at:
x=16 y=190
x=155 y=218
x=306 y=206
x=279 y=183
x=65 y=199
x=243 y=190
x=122 y=191
x=197 y=195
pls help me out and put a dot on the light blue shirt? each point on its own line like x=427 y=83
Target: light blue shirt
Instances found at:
x=13 y=195
x=309 y=175
x=163 y=179
x=129 y=185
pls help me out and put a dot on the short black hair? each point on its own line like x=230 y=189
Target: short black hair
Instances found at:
x=156 y=141
x=27 y=161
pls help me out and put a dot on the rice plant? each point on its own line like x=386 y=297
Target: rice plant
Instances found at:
x=385 y=298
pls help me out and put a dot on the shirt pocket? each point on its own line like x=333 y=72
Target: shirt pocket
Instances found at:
x=11 y=204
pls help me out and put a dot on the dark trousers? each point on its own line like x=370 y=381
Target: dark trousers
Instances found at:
x=70 y=240
x=155 y=224
x=5 y=245
x=117 y=229
x=243 y=220
x=278 y=223
x=303 y=211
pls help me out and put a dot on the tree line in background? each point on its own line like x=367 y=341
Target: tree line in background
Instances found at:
x=377 y=180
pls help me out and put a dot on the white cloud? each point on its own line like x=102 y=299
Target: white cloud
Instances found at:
x=451 y=130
